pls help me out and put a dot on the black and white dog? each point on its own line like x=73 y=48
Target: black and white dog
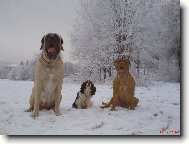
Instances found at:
x=83 y=99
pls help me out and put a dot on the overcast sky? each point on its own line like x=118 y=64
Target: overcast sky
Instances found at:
x=24 y=22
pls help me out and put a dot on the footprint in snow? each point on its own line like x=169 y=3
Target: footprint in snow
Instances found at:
x=3 y=103
x=161 y=112
x=98 y=126
x=168 y=123
x=155 y=115
x=176 y=104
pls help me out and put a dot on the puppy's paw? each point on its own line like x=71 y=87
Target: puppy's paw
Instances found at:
x=35 y=114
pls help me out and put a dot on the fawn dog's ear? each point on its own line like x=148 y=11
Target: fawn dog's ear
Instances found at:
x=42 y=42
x=61 y=40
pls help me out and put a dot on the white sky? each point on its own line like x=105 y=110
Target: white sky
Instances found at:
x=24 y=22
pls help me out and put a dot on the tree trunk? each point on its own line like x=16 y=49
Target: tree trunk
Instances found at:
x=138 y=63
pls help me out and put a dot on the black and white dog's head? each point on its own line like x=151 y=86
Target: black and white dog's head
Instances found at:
x=86 y=92
x=88 y=88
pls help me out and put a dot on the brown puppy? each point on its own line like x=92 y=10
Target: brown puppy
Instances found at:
x=48 y=78
x=123 y=86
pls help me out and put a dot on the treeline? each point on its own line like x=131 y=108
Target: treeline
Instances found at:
x=25 y=71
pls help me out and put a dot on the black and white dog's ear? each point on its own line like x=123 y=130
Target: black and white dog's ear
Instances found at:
x=83 y=87
x=42 y=42
x=93 y=90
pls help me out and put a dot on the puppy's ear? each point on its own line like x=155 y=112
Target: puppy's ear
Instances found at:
x=128 y=58
x=83 y=86
x=129 y=62
x=94 y=90
x=42 y=42
x=114 y=63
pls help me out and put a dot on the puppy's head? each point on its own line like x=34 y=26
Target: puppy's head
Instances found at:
x=88 y=88
x=51 y=44
x=122 y=64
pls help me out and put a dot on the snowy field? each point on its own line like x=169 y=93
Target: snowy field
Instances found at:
x=158 y=112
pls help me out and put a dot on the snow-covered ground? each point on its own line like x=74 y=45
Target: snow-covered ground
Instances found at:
x=158 y=112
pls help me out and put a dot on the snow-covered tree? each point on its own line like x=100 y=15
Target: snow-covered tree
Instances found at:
x=70 y=68
x=146 y=30
x=95 y=38
x=158 y=40
x=4 y=70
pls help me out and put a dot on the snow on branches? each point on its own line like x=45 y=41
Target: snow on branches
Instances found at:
x=146 y=30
